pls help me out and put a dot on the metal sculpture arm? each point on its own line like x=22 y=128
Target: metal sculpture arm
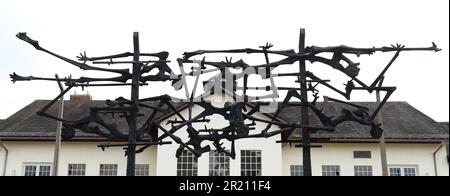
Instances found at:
x=84 y=57
x=287 y=53
x=83 y=66
x=82 y=81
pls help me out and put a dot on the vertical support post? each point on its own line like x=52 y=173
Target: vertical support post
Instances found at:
x=384 y=167
x=132 y=124
x=306 y=141
x=58 y=131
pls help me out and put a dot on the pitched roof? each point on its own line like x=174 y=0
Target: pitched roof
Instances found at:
x=26 y=123
x=2 y=121
x=400 y=120
x=445 y=127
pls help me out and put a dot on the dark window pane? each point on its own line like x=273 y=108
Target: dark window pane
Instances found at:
x=362 y=154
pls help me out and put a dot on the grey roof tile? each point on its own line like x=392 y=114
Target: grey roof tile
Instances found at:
x=26 y=123
x=400 y=121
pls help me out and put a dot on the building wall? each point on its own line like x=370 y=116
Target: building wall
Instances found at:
x=2 y=160
x=271 y=151
x=274 y=160
x=419 y=155
x=71 y=153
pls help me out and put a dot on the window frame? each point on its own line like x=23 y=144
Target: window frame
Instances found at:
x=362 y=152
x=214 y=160
x=38 y=167
x=182 y=161
x=296 y=169
x=324 y=171
x=251 y=166
x=108 y=164
x=363 y=172
x=77 y=169
x=146 y=171
x=402 y=169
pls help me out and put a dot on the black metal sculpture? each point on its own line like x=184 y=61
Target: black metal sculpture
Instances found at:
x=241 y=119
x=127 y=108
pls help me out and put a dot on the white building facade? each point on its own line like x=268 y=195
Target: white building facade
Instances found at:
x=276 y=159
x=264 y=153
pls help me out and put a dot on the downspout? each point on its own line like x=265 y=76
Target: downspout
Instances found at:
x=435 y=159
x=6 y=158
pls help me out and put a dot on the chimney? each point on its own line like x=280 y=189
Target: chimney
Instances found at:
x=85 y=97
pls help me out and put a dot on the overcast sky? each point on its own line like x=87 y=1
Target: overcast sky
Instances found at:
x=106 y=27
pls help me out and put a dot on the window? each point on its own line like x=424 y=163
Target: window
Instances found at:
x=331 y=170
x=77 y=170
x=37 y=169
x=395 y=171
x=187 y=164
x=142 y=170
x=363 y=170
x=219 y=164
x=409 y=171
x=362 y=154
x=297 y=170
x=30 y=170
x=250 y=163
x=108 y=169
x=402 y=171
